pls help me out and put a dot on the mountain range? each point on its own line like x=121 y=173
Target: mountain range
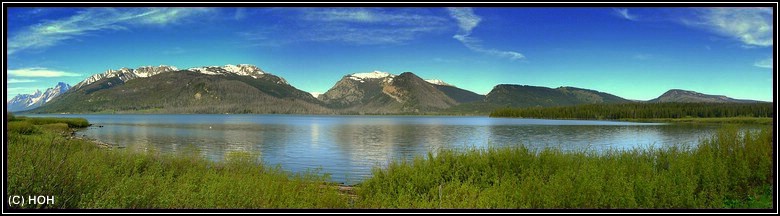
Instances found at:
x=679 y=95
x=382 y=93
x=246 y=88
x=24 y=102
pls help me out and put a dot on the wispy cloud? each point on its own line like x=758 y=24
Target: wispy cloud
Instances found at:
x=40 y=72
x=264 y=37
x=19 y=81
x=623 y=12
x=344 y=14
x=368 y=36
x=369 y=25
x=467 y=21
x=53 y=32
x=765 y=63
x=751 y=26
x=466 y=18
x=397 y=17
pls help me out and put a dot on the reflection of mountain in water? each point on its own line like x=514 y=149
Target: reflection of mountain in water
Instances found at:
x=349 y=146
x=598 y=138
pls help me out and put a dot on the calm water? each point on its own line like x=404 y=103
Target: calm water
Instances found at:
x=348 y=146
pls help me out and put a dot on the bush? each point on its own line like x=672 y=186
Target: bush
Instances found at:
x=719 y=172
x=56 y=127
x=81 y=175
x=22 y=127
x=72 y=122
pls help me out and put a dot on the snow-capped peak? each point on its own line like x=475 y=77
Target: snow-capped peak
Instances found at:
x=315 y=94
x=29 y=101
x=437 y=82
x=370 y=75
x=240 y=69
x=126 y=74
x=147 y=71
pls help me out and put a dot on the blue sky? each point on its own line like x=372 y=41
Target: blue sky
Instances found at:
x=635 y=53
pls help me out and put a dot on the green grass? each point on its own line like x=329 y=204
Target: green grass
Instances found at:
x=72 y=122
x=22 y=127
x=722 y=120
x=759 y=198
x=731 y=169
x=722 y=172
x=641 y=111
x=81 y=175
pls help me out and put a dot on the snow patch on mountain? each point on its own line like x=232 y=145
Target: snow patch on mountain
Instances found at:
x=437 y=82
x=126 y=74
x=240 y=69
x=370 y=75
x=30 y=101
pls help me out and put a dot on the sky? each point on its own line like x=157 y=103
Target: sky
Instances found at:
x=635 y=53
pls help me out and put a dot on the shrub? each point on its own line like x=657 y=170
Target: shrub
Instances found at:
x=72 y=122
x=22 y=127
x=56 y=127
x=719 y=172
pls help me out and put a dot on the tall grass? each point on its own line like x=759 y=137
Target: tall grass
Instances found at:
x=72 y=122
x=731 y=169
x=81 y=175
x=634 y=110
x=721 y=120
x=728 y=167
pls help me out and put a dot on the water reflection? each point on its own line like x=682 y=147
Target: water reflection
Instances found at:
x=349 y=146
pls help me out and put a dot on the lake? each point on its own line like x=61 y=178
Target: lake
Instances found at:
x=348 y=147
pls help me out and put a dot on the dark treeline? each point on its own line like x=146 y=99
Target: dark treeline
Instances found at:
x=641 y=111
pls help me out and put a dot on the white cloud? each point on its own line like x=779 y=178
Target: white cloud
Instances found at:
x=467 y=21
x=164 y=16
x=368 y=36
x=475 y=45
x=466 y=18
x=623 y=12
x=19 y=81
x=765 y=63
x=751 y=26
x=40 y=72
x=342 y=14
x=367 y=26
x=53 y=32
x=397 y=17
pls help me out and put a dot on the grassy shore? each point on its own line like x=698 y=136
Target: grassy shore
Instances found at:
x=722 y=120
x=729 y=170
x=81 y=175
x=742 y=113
